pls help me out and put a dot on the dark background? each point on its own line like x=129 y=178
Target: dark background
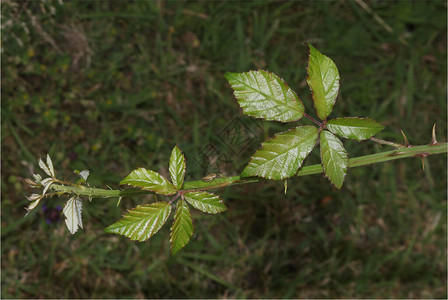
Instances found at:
x=112 y=86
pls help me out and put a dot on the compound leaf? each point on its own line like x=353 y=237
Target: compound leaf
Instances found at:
x=334 y=158
x=182 y=228
x=177 y=167
x=354 y=128
x=206 y=202
x=323 y=80
x=72 y=212
x=281 y=156
x=149 y=180
x=265 y=95
x=142 y=222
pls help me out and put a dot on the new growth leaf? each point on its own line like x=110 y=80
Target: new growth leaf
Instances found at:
x=323 y=80
x=177 y=167
x=73 y=214
x=334 y=158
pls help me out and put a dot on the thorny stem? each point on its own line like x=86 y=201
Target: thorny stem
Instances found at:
x=414 y=151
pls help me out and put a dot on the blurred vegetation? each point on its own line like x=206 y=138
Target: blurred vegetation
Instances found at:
x=112 y=86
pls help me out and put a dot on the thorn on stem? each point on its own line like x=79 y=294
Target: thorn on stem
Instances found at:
x=433 y=138
x=406 y=142
x=422 y=157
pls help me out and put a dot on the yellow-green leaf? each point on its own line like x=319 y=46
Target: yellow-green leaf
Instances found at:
x=142 y=222
x=177 y=167
x=323 y=80
x=334 y=158
x=149 y=180
x=182 y=228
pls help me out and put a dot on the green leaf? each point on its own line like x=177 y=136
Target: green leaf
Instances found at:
x=149 y=180
x=142 y=222
x=334 y=158
x=177 y=167
x=281 y=156
x=206 y=202
x=265 y=95
x=354 y=128
x=323 y=80
x=182 y=228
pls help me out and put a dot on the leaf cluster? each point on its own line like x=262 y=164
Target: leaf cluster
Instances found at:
x=264 y=95
x=142 y=222
x=72 y=208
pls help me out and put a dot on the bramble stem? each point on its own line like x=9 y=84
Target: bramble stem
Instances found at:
x=414 y=151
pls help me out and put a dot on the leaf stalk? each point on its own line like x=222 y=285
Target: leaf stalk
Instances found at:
x=313 y=120
x=383 y=142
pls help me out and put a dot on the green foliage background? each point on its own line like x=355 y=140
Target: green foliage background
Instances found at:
x=112 y=86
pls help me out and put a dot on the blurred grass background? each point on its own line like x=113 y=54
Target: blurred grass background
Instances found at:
x=112 y=86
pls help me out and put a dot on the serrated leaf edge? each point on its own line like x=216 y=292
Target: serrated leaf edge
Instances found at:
x=73 y=214
x=273 y=137
x=122 y=182
x=186 y=197
x=358 y=118
x=173 y=174
x=323 y=165
x=277 y=77
x=163 y=206
x=312 y=92
x=183 y=202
